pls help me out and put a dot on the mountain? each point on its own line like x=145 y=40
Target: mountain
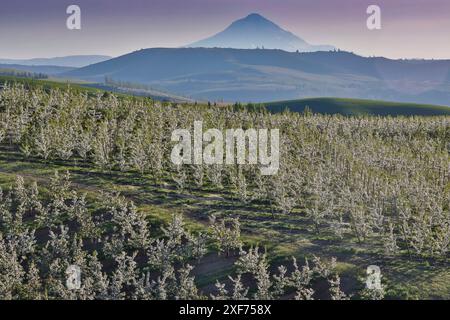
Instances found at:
x=67 y=61
x=269 y=75
x=255 y=31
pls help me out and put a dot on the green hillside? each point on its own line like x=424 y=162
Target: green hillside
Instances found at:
x=357 y=107
x=47 y=84
x=89 y=87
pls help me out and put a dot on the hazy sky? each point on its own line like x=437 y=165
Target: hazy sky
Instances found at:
x=37 y=28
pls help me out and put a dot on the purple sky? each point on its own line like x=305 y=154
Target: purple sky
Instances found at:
x=36 y=28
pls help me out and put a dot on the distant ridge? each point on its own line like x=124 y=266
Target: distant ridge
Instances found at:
x=255 y=31
x=46 y=69
x=76 y=61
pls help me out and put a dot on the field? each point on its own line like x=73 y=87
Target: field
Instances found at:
x=49 y=83
x=354 y=107
x=365 y=190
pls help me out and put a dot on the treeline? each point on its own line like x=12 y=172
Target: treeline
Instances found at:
x=22 y=74
x=127 y=84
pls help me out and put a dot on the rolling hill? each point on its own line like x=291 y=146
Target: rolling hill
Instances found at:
x=91 y=88
x=346 y=107
x=47 y=69
x=357 y=107
x=257 y=75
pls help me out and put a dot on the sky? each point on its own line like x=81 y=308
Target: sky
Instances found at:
x=37 y=28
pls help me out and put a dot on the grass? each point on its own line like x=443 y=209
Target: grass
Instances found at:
x=59 y=83
x=349 y=107
x=48 y=83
